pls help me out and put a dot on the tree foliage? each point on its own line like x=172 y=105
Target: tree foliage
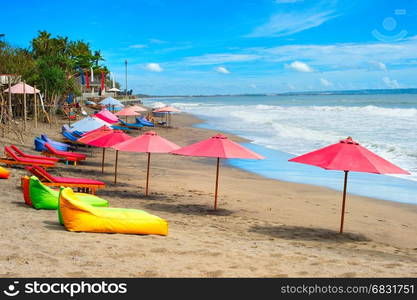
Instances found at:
x=52 y=63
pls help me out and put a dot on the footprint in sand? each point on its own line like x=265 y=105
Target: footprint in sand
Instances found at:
x=348 y=274
x=75 y=274
x=213 y=274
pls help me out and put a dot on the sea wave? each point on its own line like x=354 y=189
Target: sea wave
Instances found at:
x=296 y=129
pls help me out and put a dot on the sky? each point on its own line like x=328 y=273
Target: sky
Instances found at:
x=200 y=47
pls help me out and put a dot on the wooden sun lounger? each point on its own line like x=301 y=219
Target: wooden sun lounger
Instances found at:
x=11 y=158
x=64 y=155
x=84 y=185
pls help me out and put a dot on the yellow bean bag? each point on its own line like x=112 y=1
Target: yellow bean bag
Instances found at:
x=80 y=216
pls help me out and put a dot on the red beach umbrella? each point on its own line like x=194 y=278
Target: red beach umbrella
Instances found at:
x=149 y=142
x=217 y=146
x=108 y=140
x=348 y=155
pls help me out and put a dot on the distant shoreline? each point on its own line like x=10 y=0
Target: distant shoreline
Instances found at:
x=321 y=93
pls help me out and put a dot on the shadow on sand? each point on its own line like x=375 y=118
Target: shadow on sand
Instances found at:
x=308 y=234
x=20 y=204
x=189 y=209
x=54 y=225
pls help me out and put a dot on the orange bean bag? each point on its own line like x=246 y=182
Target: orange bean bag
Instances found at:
x=25 y=190
x=4 y=173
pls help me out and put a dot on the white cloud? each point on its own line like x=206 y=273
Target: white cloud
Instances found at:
x=214 y=59
x=156 y=41
x=138 y=46
x=154 y=67
x=326 y=83
x=344 y=56
x=391 y=83
x=252 y=86
x=291 y=86
x=299 y=66
x=379 y=65
x=288 y=23
x=222 y=70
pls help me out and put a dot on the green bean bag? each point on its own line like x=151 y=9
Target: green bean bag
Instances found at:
x=43 y=197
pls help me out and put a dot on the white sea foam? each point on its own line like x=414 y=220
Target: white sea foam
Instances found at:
x=388 y=131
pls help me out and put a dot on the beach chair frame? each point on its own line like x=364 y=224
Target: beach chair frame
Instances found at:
x=10 y=161
x=48 y=180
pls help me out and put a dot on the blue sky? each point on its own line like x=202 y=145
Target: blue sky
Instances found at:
x=176 y=47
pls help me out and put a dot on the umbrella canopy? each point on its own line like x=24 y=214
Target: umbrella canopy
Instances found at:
x=111 y=101
x=98 y=129
x=114 y=90
x=107 y=116
x=107 y=139
x=128 y=111
x=88 y=124
x=22 y=88
x=218 y=146
x=138 y=108
x=149 y=142
x=167 y=109
x=348 y=155
x=94 y=134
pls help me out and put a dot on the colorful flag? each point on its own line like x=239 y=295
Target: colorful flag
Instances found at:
x=82 y=76
x=87 y=81
x=102 y=80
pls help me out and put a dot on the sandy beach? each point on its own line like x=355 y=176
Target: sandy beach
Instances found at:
x=264 y=227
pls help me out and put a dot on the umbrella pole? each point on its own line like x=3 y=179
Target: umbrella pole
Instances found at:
x=343 y=204
x=147 y=174
x=115 y=167
x=24 y=106
x=10 y=103
x=217 y=183
x=102 y=161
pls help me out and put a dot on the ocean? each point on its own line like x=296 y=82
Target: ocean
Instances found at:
x=282 y=126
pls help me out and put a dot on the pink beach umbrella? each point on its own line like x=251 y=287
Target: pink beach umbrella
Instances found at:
x=93 y=134
x=22 y=88
x=108 y=140
x=149 y=142
x=218 y=146
x=130 y=111
x=348 y=155
x=167 y=110
x=107 y=116
x=127 y=111
x=138 y=108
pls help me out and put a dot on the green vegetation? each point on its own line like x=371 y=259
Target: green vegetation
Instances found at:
x=52 y=64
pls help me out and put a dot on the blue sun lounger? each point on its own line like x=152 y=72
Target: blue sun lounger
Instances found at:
x=40 y=145
x=55 y=144
x=120 y=128
x=69 y=136
x=131 y=125
x=144 y=122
